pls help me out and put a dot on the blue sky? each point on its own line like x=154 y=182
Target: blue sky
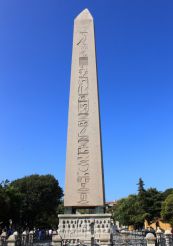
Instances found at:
x=134 y=41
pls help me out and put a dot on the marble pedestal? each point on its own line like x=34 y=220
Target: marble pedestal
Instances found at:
x=86 y=229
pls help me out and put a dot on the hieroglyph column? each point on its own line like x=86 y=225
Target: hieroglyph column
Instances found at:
x=84 y=172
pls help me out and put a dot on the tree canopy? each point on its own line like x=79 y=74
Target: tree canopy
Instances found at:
x=30 y=201
x=149 y=204
x=167 y=209
x=129 y=212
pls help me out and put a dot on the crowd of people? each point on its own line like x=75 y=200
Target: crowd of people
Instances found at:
x=38 y=233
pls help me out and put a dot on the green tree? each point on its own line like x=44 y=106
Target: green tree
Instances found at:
x=140 y=184
x=141 y=194
x=134 y=209
x=152 y=204
x=129 y=212
x=150 y=201
x=167 y=209
x=167 y=192
x=7 y=202
x=4 y=204
x=39 y=197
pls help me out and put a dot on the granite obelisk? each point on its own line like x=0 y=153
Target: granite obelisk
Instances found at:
x=84 y=171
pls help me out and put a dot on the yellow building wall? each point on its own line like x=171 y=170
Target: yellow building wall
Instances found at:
x=162 y=225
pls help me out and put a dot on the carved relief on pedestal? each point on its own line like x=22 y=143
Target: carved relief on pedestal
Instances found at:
x=84 y=228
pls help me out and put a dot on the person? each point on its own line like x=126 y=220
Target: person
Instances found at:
x=9 y=231
x=39 y=234
x=50 y=233
x=153 y=231
x=146 y=231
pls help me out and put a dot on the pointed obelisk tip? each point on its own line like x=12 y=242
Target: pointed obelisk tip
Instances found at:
x=84 y=15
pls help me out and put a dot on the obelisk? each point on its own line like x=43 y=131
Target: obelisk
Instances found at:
x=84 y=170
x=84 y=186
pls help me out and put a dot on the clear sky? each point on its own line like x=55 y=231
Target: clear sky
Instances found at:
x=134 y=41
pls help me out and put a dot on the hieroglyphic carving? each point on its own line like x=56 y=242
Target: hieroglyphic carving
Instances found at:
x=84 y=185
x=83 y=121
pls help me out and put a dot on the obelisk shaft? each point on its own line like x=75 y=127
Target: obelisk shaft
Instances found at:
x=84 y=172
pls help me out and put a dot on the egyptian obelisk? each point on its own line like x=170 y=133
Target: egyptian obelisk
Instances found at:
x=84 y=189
x=84 y=170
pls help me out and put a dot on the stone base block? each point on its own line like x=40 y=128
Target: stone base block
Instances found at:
x=87 y=229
